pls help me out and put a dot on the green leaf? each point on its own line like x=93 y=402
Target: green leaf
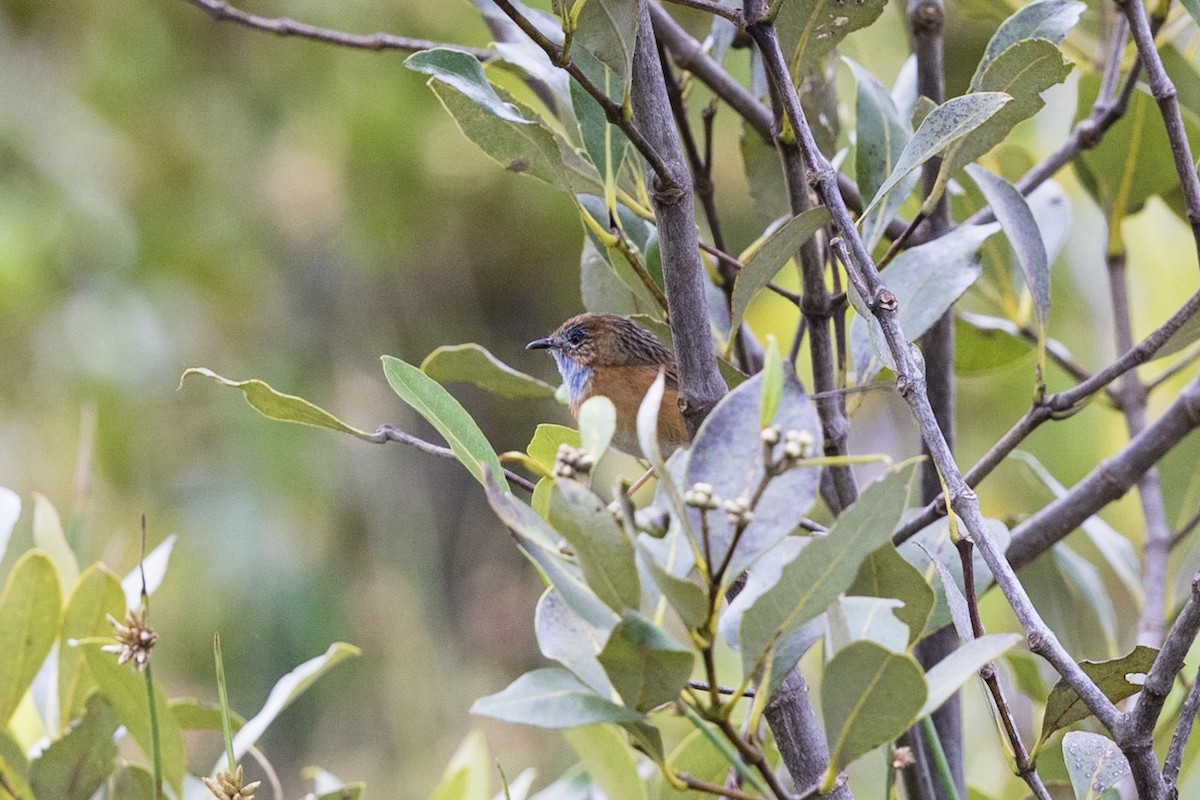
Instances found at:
x=464 y=73
x=604 y=143
x=646 y=666
x=810 y=29
x=885 y=573
x=125 y=690
x=597 y=424
x=29 y=610
x=468 y=776
x=945 y=677
x=97 y=593
x=133 y=783
x=1016 y=219
x=543 y=447
x=48 y=536
x=1193 y=9
x=571 y=641
x=926 y=280
x=869 y=696
x=687 y=598
x=764 y=174
x=443 y=412
x=552 y=698
x=10 y=512
x=881 y=134
x=604 y=552
x=1045 y=19
x=772 y=380
x=608 y=30
x=472 y=363
x=538 y=541
x=275 y=405
x=984 y=344
x=768 y=256
x=285 y=690
x=728 y=454
x=1065 y=707
x=604 y=287
x=824 y=568
x=1094 y=762
x=75 y=766
x=523 y=146
x=1023 y=71
x=941 y=128
x=605 y=755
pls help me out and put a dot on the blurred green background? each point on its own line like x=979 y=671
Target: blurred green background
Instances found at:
x=176 y=192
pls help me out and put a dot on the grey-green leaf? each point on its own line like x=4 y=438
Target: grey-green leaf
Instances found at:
x=570 y=640
x=728 y=454
x=869 y=696
x=464 y=73
x=945 y=678
x=1044 y=19
x=686 y=597
x=604 y=552
x=1017 y=222
x=885 y=573
x=824 y=568
x=811 y=29
x=881 y=135
x=552 y=698
x=429 y=399
x=646 y=666
x=472 y=363
x=1064 y=706
x=771 y=255
x=941 y=128
x=608 y=30
x=1094 y=762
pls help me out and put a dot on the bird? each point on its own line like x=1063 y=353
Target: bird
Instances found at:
x=609 y=355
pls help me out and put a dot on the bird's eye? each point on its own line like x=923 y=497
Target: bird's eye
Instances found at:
x=575 y=335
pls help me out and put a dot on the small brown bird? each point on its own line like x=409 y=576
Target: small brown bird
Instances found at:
x=606 y=354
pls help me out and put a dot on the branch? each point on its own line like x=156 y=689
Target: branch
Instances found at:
x=1179 y=740
x=1108 y=481
x=387 y=433
x=1140 y=720
x=734 y=15
x=1055 y=406
x=222 y=11
x=910 y=381
x=670 y=186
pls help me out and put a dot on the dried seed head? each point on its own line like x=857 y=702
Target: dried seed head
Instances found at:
x=228 y=785
x=135 y=639
x=902 y=757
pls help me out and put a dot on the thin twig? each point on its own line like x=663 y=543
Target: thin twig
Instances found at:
x=703 y=687
x=698 y=785
x=388 y=433
x=737 y=266
x=1185 y=529
x=1181 y=365
x=222 y=11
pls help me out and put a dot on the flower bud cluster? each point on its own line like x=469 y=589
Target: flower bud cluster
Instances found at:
x=738 y=511
x=797 y=445
x=701 y=496
x=570 y=462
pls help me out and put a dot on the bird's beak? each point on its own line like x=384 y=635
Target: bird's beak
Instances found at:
x=549 y=343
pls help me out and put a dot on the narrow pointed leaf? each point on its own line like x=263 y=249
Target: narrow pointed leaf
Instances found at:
x=687 y=598
x=552 y=698
x=869 y=696
x=945 y=677
x=153 y=569
x=443 y=412
x=464 y=73
x=1017 y=222
x=472 y=363
x=765 y=262
x=1044 y=19
x=48 y=536
x=608 y=29
x=942 y=127
x=609 y=761
x=276 y=405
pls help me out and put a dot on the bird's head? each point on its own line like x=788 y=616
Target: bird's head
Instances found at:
x=603 y=340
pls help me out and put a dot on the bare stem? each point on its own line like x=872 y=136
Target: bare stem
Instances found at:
x=387 y=433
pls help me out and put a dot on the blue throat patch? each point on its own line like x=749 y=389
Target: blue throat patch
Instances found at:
x=574 y=376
